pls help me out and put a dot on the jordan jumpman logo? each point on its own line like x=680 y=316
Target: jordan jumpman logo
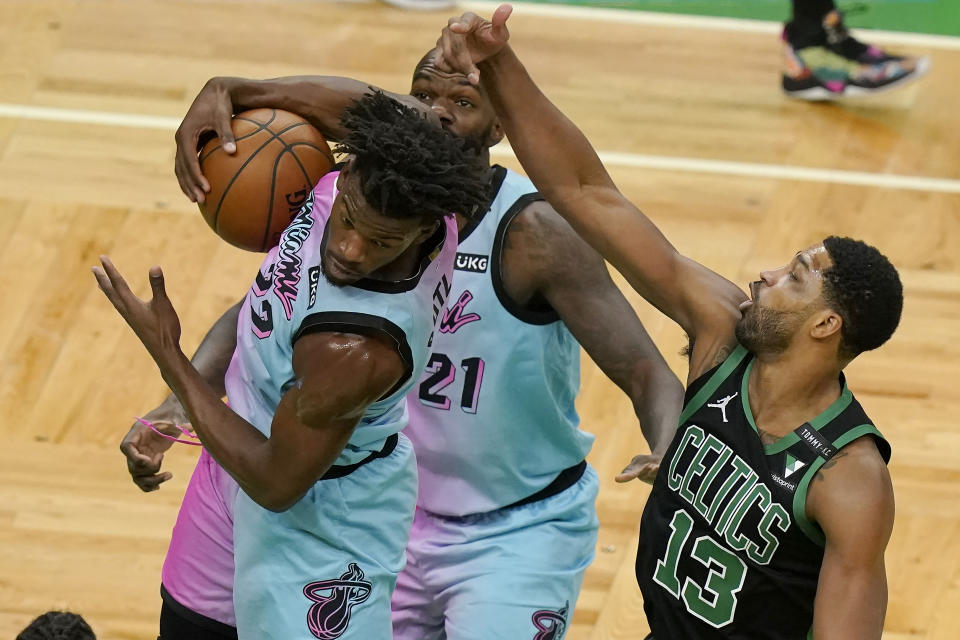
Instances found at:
x=722 y=405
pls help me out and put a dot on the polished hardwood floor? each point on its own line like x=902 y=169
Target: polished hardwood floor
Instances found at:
x=76 y=533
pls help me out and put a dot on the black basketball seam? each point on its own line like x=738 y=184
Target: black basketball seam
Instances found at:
x=326 y=152
x=260 y=127
x=226 y=190
x=288 y=148
x=275 y=136
x=273 y=189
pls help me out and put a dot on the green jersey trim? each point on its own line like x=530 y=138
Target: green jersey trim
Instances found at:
x=836 y=408
x=721 y=374
x=810 y=529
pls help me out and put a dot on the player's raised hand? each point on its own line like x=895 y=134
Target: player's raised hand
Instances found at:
x=643 y=467
x=211 y=112
x=155 y=322
x=144 y=448
x=470 y=39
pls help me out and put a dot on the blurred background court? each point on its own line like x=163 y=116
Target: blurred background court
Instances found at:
x=689 y=113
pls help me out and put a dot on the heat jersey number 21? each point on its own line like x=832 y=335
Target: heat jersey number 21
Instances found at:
x=441 y=374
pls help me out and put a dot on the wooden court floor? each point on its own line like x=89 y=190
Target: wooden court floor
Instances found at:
x=74 y=532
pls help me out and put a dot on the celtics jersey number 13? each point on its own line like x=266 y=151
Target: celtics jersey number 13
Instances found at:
x=726 y=549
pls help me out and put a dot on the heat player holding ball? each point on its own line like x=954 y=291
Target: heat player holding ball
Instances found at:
x=333 y=333
x=506 y=523
x=773 y=506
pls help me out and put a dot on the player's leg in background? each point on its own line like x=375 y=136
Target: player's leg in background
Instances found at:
x=197 y=582
x=416 y=606
x=326 y=567
x=516 y=573
x=823 y=61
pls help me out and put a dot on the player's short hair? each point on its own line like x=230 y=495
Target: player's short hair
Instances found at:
x=865 y=289
x=58 y=625
x=409 y=166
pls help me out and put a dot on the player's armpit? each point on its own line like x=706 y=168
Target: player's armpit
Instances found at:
x=854 y=506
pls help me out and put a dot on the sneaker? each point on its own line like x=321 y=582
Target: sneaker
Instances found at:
x=827 y=62
x=423 y=5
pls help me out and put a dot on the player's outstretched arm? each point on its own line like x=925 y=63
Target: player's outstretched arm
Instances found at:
x=854 y=506
x=545 y=256
x=314 y=420
x=142 y=447
x=318 y=99
x=566 y=169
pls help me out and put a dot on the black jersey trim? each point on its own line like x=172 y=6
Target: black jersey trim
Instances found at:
x=197 y=619
x=530 y=316
x=721 y=373
x=346 y=469
x=811 y=529
x=364 y=324
x=496 y=181
x=427 y=250
x=564 y=480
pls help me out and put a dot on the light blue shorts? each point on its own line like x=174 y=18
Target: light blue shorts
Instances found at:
x=511 y=574
x=326 y=567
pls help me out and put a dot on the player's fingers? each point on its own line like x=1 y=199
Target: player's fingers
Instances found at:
x=104 y=283
x=152 y=482
x=181 y=174
x=458 y=55
x=157 y=283
x=198 y=183
x=224 y=131
x=499 y=18
x=134 y=456
x=499 y=30
x=119 y=284
x=464 y=23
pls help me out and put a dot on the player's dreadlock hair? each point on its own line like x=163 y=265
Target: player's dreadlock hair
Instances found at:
x=58 y=625
x=864 y=288
x=409 y=166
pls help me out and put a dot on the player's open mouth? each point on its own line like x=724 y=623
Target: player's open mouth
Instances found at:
x=753 y=296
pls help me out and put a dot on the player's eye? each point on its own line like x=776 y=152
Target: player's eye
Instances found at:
x=421 y=95
x=347 y=223
x=464 y=103
x=379 y=244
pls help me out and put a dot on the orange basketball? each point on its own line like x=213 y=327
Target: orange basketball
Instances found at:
x=256 y=192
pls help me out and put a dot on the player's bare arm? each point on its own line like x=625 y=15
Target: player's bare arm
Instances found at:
x=142 y=446
x=313 y=421
x=544 y=260
x=852 y=502
x=320 y=100
x=566 y=169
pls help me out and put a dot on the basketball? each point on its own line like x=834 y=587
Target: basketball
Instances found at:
x=256 y=192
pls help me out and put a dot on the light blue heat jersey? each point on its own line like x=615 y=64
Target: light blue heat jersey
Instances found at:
x=290 y=297
x=492 y=418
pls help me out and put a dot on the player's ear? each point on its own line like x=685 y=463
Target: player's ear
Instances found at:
x=427 y=230
x=827 y=324
x=496 y=134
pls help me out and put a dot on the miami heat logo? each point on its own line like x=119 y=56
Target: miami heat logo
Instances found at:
x=333 y=599
x=550 y=624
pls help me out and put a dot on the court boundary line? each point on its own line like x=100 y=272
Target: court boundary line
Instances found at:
x=611 y=158
x=687 y=21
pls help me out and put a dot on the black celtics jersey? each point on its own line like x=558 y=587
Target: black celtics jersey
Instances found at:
x=726 y=550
